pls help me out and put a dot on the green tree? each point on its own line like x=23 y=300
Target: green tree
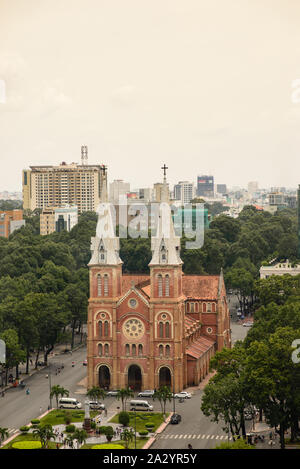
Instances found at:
x=44 y=433
x=124 y=394
x=58 y=391
x=163 y=394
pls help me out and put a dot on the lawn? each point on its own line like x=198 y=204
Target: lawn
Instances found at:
x=141 y=419
x=140 y=442
x=56 y=417
x=27 y=437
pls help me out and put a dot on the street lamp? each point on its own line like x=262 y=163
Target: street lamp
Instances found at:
x=50 y=397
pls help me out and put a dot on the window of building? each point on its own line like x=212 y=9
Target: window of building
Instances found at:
x=161 y=329
x=106 y=328
x=161 y=350
x=99 y=285
x=133 y=350
x=105 y=285
x=160 y=286
x=167 y=329
x=140 y=350
x=167 y=285
x=100 y=328
x=167 y=351
x=106 y=350
x=127 y=350
x=100 y=350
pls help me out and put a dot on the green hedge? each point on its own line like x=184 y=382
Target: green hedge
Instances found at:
x=24 y=429
x=70 y=428
x=107 y=446
x=27 y=445
x=143 y=433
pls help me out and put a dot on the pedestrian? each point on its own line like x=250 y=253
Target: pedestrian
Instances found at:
x=190 y=446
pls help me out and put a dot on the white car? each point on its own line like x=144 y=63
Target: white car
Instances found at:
x=248 y=324
x=95 y=405
x=146 y=393
x=183 y=395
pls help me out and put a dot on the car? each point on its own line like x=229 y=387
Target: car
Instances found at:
x=146 y=393
x=248 y=324
x=84 y=362
x=183 y=395
x=112 y=393
x=95 y=405
x=176 y=418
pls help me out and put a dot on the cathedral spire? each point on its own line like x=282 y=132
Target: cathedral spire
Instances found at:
x=105 y=245
x=165 y=245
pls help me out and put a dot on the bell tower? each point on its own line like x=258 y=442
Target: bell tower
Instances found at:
x=105 y=269
x=166 y=299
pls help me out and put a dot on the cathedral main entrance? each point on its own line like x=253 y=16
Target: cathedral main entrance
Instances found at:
x=165 y=377
x=135 y=378
x=104 y=377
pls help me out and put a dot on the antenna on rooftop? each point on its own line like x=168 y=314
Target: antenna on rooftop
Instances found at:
x=84 y=155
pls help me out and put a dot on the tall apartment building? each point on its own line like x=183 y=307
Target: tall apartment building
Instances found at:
x=184 y=191
x=58 y=219
x=10 y=220
x=221 y=189
x=205 y=186
x=117 y=189
x=55 y=186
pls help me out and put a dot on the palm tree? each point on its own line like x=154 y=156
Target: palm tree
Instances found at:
x=163 y=394
x=124 y=394
x=96 y=393
x=127 y=436
x=3 y=434
x=58 y=391
x=80 y=436
x=45 y=434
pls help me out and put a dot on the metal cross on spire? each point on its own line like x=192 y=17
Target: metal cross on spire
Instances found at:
x=164 y=167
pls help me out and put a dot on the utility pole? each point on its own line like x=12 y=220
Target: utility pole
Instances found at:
x=50 y=389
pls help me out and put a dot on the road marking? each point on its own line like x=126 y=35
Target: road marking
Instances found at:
x=171 y=436
x=175 y=436
x=167 y=436
x=194 y=436
x=203 y=436
x=217 y=437
x=185 y=436
x=180 y=436
x=207 y=437
x=199 y=436
x=212 y=437
x=221 y=437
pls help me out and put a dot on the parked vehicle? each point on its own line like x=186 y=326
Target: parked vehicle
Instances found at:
x=146 y=393
x=112 y=393
x=175 y=419
x=248 y=324
x=94 y=405
x=183 y=395
x=69 y=403
x=84 y=362
x=140 y=405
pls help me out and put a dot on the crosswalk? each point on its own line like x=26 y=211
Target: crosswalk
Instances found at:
x=200 y=436
x=12 y=431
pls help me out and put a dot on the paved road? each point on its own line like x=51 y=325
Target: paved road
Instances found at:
x=17 y=408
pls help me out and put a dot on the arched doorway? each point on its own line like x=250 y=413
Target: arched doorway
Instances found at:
x=135 y=378
x=104 y=377
x=165 y=377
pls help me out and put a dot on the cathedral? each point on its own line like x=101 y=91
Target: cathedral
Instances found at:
x=150 y=330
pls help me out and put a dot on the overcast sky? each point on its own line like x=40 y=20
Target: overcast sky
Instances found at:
x=204 y=86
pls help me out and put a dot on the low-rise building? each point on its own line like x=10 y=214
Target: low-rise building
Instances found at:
x=58 y=219
x=10 y=220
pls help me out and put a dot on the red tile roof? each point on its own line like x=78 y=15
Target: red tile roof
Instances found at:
x=201 y=287
x=199 y=347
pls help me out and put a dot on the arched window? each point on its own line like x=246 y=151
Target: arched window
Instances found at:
x=161 y=329
x=160 y=286
x=167 y=285
x=167 y=351
x=106 y=350
x=140 y=350
x=106 y=328
x=127 y=350
x=133 y=350
x=99 y=285
x=100 y=328
x=204 y=307
x=100 y=350
x=209 y=307
x=105 y=285
x=167 y=329
x=161 y=350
